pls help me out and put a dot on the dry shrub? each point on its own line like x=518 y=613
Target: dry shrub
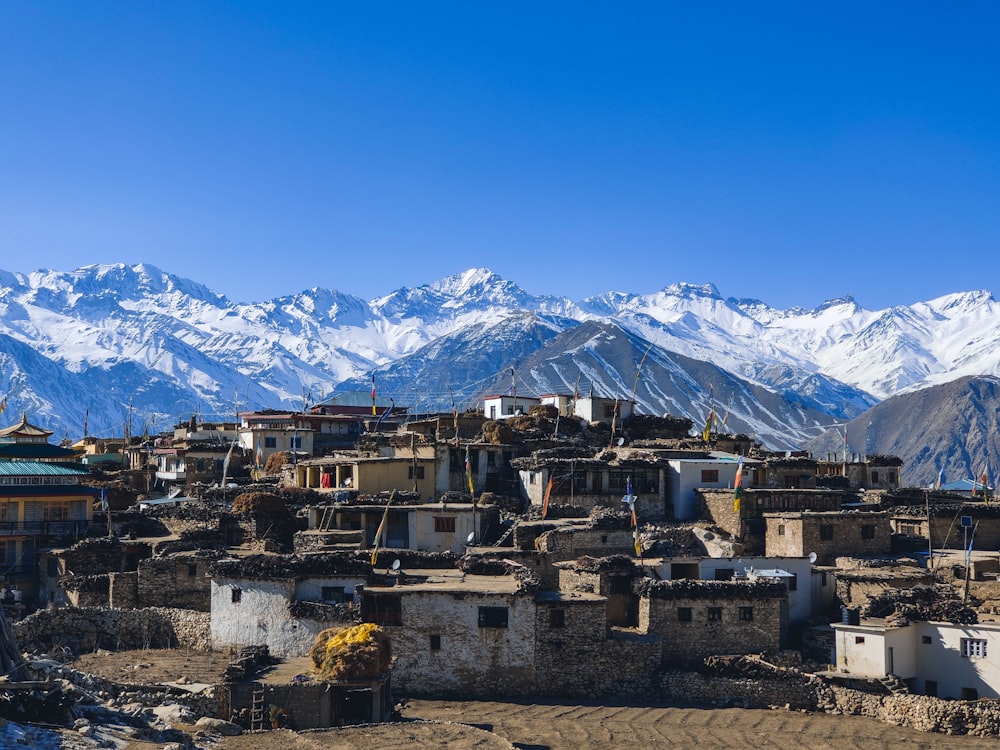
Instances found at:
x=352 y=654
x=543 y=411
x=258 y=502
x=276 y=460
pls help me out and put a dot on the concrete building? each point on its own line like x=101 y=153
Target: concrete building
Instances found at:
x=686 y=475
x=942 y=659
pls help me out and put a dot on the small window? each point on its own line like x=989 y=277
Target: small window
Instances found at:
x=822 y=579
x=930 y=688
x=420 y=472
x=237 y=594
x=270 y=442
x=435 y=642
x=684 y=614
x=192 y=570
x=715 y=614
x=334 y=594
x=868 y=531
x=974 y=648
x=970 y=694
x=444 y=524
x=746 y=614
x=874 y=477
x=557 y=618
x=493 y=617
x=793 y=582
x=710 y=476
x=859 y=639
x=620 y=585
x=724 y=574
x=604 y=538
x=781 y=529
x=826 y=532
x=52 y=567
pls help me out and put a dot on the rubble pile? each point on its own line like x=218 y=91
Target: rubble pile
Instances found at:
x=353 y=654
x=939 y=602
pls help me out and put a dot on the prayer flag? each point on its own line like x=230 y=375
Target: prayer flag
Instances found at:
x=738 y=485
x=373 y=394
x=545 y=502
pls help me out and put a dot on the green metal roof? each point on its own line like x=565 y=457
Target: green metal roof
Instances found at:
x=14 y=468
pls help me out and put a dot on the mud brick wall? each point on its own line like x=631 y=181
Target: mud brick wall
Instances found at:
x=85 y=629
x=180 y=581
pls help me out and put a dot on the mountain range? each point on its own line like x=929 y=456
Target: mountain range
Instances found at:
x=117 y=344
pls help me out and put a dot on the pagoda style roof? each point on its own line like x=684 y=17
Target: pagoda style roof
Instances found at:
x=24 y=430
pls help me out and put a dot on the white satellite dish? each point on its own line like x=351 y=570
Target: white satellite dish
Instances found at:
x=812 y=557
x=395 y=564
x=621 y=442
x=471 y=537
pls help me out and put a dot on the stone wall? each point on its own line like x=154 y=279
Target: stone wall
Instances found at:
x=798 y=534
x=84 y=630
x=569 y=543
x=696 y=619
x=123 y=591
x=177 y=581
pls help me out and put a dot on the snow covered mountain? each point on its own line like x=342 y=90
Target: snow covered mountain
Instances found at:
x=119 y=339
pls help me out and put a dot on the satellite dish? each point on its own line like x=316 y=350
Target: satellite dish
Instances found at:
x=471 y=537
x=621 y=442
x=395 y=564
x=812 y=557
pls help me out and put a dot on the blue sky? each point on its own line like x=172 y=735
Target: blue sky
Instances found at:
x=789 y=151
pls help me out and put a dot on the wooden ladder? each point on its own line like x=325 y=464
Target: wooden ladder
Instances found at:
x=327 y=519
x=258 y=709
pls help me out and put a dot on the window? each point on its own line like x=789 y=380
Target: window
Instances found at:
x=859 y=639
x=781 y=529
x=684 y=614
x=709 y=476
x=237 y=594
x=826 y=532
x=793 y=582
x=420 y=472
x=492 y=617
x=192 y=570
x=491 y=459
x=970 y=694
x=746 y=614
x=974 y=648
x=57 y=511
x=335 y=595
x=444 y=524
x=295 y=442
x=868 y=531
x=435 y=642
x=930 y=688
x=715 y=614
x=557 y=618
x=892 y=477
x=270 y=442
x=926 y=639
x=822 y=579
x=724 y=574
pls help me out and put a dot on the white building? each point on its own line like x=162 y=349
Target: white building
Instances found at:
x=684 y=475
x=934 y=658
x=504 y=407
x=255 y=609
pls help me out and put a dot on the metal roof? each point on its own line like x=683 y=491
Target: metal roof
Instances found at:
x=13 y=468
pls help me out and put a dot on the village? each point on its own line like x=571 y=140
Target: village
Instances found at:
x=314 y=569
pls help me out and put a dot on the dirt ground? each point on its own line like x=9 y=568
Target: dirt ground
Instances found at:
x=544 y=725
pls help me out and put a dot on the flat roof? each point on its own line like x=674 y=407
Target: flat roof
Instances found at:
x=451 y=581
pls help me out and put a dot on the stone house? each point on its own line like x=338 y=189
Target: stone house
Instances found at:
x=695 y=619
x=611 y=578
x=505 y=406
x=428 y=527
x=280 y=602
x=809 y=591
x=828 y=534
x=943 y=659
x=747 y=522
x=569 y=541
x=471 y=635
x=586 y=481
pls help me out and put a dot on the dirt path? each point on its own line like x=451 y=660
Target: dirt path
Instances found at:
x=539 y=726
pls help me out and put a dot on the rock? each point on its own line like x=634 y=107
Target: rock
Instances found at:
x=174 y=714
x=219 y=726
